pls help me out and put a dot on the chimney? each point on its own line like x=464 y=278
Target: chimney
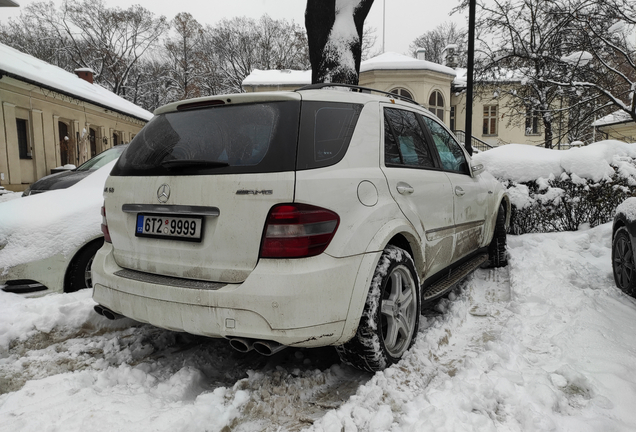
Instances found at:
x=420 y=53
x=85 y=73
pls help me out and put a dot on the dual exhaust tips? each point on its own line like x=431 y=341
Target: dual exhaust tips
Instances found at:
x=263 y=347
x=107 y=313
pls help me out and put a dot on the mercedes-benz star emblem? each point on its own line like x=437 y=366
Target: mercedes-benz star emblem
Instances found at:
x=163 y=193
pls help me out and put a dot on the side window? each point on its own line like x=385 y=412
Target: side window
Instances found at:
x=450 y=152
x=23 y=139
x=404 y=140
x=403 y=92
x=326 y=129
x=490 y=120
x=436 y=104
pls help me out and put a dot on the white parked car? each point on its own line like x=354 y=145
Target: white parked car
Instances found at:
x=48 y=241
x=308 y=218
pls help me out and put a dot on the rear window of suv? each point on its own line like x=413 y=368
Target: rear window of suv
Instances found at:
x=226 y=139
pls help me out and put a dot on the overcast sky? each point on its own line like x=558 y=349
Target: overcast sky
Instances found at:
x=405 y=19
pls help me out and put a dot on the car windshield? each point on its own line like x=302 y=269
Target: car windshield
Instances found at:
x=101 y=159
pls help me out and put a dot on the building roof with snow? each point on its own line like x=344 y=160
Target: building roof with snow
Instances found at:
x=23 y=67
x=616 y=117
x=285 y=77
x=395 y=61
x=387 y=61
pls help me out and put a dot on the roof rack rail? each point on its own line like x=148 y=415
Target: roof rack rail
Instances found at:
x=358 y=89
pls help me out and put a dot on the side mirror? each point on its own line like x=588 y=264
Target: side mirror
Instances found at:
x=477 y=169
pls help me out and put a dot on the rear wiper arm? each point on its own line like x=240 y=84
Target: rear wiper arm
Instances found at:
x=192 y=163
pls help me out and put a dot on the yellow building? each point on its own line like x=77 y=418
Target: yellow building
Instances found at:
x=436 y=87
x=618 y=125
x=50 y=118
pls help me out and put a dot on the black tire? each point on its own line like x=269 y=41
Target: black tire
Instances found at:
x=497 y=254
x=623 y=262
x=387 y=327
x=78 y=274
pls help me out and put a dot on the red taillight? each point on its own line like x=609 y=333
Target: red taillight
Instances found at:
x=105 y=226
x=298 y=231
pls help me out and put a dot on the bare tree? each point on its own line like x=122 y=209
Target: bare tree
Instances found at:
x=334 y=33
x=434 y=42
x=519 y=40
x=183 y=54
x=369 y=39
x=602 y=56
x=148 y=84
x=32 y=34
x=109 y=40
x=240 y=45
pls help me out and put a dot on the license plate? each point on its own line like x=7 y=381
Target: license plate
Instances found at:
x=169 y=227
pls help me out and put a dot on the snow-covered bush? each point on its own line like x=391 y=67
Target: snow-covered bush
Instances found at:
x=560 y=190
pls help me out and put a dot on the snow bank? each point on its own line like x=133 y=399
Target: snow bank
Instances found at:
x=22 y=318
x=522 y=163
x=557 y=190
x=58 y=221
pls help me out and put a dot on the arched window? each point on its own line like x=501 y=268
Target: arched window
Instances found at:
x=402 y=92
x=436 y=104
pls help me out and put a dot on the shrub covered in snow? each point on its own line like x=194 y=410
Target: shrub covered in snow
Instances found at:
x=560 y=190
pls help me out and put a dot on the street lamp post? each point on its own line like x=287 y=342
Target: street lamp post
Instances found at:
x=468 y=134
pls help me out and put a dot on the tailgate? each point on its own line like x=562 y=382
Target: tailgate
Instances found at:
x=229 y=243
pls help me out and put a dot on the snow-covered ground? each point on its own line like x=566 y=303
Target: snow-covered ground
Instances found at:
x=546 y=344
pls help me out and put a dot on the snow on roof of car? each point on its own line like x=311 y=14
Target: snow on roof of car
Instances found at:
x=23 y=66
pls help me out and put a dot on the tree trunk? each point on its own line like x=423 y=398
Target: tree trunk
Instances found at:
x=548 y=136
x=334 y=35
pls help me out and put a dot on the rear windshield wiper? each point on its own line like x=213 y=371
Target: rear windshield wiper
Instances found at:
x=192 y=163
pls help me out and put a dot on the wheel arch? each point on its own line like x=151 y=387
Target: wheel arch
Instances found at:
x=504 y=200
x=397 y=232
x=76 y=255
x=400 y=233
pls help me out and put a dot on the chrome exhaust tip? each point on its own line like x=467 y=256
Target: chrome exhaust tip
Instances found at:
x=268 y=348
x=107 y=313
x=241 y=344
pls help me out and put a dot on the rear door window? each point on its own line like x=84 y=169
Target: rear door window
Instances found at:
x=325 y=132
x=225 y=139
x=405 y=143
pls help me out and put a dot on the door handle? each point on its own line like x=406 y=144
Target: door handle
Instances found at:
x=459 y=191
x=404 y=188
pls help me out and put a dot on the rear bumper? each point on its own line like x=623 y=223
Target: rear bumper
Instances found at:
x=306 y=302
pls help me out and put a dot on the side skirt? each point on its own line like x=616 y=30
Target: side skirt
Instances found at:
x=446 y=280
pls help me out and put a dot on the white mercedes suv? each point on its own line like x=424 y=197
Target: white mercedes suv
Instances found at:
x=307 y=218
